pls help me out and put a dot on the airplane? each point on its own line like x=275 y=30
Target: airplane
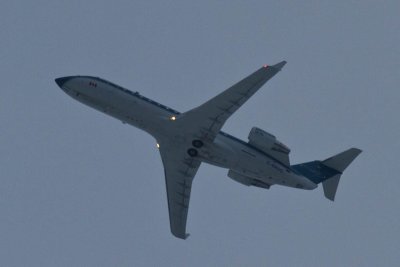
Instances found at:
x=187 y=139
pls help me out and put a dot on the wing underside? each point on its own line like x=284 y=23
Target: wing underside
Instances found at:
x=203 y=123
x=179 y=169
x=211 y=116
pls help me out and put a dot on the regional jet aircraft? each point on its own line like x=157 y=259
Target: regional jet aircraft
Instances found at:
x=185 y=140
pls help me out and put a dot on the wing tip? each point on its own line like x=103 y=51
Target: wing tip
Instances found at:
x=279 y=65
x=180 y=235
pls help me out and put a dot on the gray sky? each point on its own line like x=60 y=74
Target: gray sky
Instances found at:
x=78 y=188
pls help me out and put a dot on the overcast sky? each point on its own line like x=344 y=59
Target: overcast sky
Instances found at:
x=78 y=188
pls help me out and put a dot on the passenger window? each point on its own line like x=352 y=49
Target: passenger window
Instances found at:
x=93 y=84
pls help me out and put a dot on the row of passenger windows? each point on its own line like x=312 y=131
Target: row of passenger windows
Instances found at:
x=140 y=96
x=156 y=103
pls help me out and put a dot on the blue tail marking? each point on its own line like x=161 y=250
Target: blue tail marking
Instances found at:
x=315 y=171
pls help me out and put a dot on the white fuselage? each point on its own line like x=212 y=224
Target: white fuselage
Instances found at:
x=226 y=151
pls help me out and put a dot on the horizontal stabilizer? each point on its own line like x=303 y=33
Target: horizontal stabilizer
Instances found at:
x=342 y=160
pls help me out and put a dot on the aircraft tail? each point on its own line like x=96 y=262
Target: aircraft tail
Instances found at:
x=328 y=171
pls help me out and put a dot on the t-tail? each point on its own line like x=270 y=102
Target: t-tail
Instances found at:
x=328 y=171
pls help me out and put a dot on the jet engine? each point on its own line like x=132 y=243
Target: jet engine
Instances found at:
x=247 y=180
x=268 y=143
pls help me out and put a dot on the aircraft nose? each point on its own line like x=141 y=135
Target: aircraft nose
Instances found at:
x=61 y=81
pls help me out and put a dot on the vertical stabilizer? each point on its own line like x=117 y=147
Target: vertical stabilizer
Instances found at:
x=330 y=186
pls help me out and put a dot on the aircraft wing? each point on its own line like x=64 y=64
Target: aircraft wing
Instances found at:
x=205 y=121
x=179 y=169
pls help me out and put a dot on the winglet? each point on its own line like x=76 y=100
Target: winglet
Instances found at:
x=279 y=65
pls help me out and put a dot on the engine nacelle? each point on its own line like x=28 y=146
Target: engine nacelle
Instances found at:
x=268 y=143
x=246 y=180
